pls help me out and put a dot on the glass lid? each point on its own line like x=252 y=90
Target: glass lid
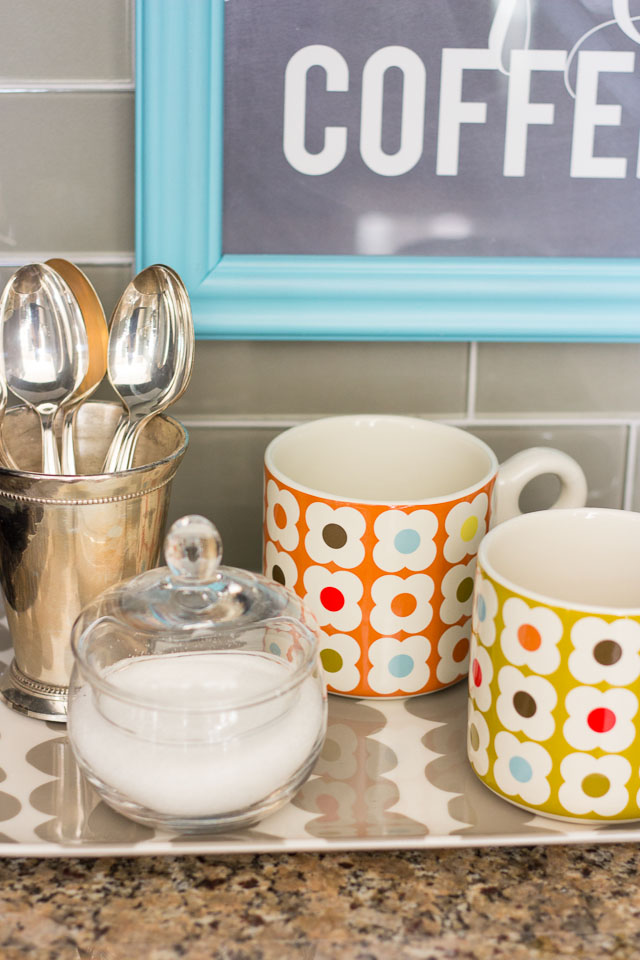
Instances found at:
x=194 y=595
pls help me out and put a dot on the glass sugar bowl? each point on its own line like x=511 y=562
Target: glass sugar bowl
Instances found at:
x=197 y=701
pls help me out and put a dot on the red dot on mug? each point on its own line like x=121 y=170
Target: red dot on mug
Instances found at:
x=601 y=720
x=331 y=599
x=476 y=673
x=529 y=638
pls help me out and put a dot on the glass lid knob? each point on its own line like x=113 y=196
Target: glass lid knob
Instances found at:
x=193 y=550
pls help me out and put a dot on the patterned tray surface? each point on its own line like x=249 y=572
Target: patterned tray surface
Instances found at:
x=393 y=774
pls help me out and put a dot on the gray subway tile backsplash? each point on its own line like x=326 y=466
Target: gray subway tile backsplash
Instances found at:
x=66 y=172
x=62 y=40
x=554 y=379
x=284 y=379
x=221 y=478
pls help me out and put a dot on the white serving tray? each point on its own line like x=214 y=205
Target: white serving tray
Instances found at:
x=393 y=775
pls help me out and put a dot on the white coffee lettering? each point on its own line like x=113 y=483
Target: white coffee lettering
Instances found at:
x=521 y=113
x=295 y=110
x=454 y=111
x=412 y=111
x=589 y=114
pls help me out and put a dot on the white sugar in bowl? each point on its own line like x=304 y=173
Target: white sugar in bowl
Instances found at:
x=197 y=701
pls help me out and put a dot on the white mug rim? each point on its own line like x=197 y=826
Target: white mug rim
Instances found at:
x=434 y=426
x=485 y=566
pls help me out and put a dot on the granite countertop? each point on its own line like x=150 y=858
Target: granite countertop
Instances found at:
x=515 y=903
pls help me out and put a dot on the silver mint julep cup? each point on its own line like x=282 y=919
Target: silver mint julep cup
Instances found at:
x=66 y=539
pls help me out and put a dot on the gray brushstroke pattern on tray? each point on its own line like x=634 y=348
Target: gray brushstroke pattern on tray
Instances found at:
x=452 y=772
x=350 y=794
x=76 y=811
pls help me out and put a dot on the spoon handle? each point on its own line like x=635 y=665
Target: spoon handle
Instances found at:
x=128 y=448
x=67 y=441
x=50 y=455
x=111 y=459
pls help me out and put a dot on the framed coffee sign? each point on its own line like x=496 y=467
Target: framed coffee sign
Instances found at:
x=393 y=169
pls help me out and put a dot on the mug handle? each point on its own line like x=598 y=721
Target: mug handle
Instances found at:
x=516 y=472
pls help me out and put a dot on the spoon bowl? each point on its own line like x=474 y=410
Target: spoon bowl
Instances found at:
x=150 y=355
x=97 y=339
x=43 y=343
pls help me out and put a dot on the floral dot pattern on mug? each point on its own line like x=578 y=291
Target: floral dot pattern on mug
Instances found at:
x=281 y=516
x=399 y=666
x=526 y=703
x=480 y=676
x=486 y=607
x=334 y=597
x=559 y=691
x=377 y=573
x=339 y=655
x=594 y=786
x=405 y=540
x=335 y=535
x=608 y=652
x=457 y=590
x=530 y=636
x=478 y=739
x=401 y=603
x=453 y=648
x=466 y=525
x=280 y=566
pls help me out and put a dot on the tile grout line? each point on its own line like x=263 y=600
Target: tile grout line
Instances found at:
x=541 y=421
x=198 y=421
x=630 y=468
x=115 y=258
x=68 y=86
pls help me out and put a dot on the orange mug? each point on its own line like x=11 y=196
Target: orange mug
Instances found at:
x=375 y=521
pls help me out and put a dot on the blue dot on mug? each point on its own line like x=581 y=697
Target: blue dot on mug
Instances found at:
x=401 y=665
x=406 y=541
x=520 y=769
x=482 y=609
x=275 y=650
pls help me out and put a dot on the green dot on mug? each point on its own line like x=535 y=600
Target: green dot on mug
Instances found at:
x=595 y=785
x=331 y=660
x=465 y=589
x=474 y=737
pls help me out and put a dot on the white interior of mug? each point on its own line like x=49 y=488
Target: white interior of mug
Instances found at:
x=380 y=458
x=586 y=558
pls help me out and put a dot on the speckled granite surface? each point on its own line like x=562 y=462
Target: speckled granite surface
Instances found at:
x=538 y=902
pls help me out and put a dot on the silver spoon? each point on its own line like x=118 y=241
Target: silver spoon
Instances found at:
x=44 y=347
x=150 y=355
x=97 y=338
x=5 y=457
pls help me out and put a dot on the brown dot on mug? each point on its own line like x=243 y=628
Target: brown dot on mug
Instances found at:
x=524 y=704
x=607 y=652
x=334 y=535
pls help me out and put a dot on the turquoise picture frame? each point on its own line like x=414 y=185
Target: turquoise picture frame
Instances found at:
x=179 y=216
